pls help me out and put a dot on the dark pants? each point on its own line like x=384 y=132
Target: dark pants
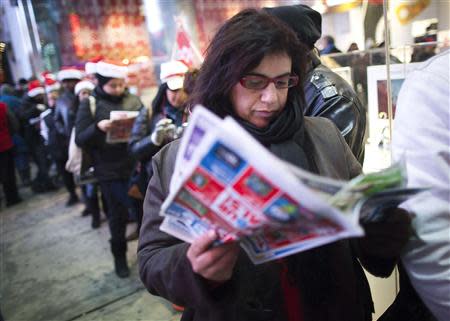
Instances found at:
x=39 y=155
x=115 y=192
x=8 y=177
x=67 y=177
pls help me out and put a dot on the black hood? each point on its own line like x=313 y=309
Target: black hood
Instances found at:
x=306 y=22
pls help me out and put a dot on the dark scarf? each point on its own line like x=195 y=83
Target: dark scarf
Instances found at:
x=312 y=270
x=285 y=135
x=100 y=93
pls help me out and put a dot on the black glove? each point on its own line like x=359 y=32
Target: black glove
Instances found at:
x=381 y=247
x=387 y=238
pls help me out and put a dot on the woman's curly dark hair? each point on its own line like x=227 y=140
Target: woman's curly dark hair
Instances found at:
x=238 y=47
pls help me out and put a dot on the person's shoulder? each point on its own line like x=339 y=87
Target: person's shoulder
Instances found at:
x=132 y=101
x=437 y=65
x=323 y=132
x=318 y=124
x=324 y=76
x=168 y=152
x=165 y=160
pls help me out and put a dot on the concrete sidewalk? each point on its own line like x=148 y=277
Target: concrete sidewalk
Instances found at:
x=55 y=267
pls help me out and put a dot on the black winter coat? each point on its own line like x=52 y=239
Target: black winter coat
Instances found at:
x=65 y=114
x=111 y=161
x=27 y=112
x=140 y=145
x=328 y=95
x=56 y=143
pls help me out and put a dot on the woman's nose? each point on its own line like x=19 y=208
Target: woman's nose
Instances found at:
x=269 y=94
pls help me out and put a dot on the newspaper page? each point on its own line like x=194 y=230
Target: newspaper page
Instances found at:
x=199 y=125
x=233 y=184
x=122 y=123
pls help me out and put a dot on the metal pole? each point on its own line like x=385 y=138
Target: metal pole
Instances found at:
x=387 y=46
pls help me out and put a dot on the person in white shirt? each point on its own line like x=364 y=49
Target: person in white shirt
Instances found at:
x=422 y=136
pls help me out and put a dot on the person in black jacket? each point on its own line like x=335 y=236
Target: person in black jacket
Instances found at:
x=112 y=162
x=153 y=129
x=30 y=110
x=53 y=141
x=326 y=93
x=64 y=115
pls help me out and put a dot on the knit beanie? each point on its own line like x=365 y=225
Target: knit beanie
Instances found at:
x=102 y=80
x=306 y=22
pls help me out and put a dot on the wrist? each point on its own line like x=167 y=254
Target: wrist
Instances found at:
x=156 y=139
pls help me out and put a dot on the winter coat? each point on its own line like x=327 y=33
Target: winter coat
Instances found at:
x=328 y=95
x=140 y=145
x=7 y=124
x=331 y=283
x=29 y=118
x=65 y=114
x=111 y=161
x=55 y=142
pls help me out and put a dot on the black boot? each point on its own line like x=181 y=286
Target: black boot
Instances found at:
x=119 y=251
x=95 y=220
x=72 y=200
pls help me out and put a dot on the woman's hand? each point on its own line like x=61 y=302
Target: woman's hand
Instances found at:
x=387 y=238
x=104 y=125
x=213 y=263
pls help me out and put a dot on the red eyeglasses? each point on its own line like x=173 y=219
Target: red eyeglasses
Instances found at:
x=261 y=82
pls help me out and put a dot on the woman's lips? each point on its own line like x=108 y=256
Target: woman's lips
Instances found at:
x=265 y=114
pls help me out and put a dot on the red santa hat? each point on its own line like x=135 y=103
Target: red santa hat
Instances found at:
x=70 y=73
x=35 y=88
x=82 y=85
x=91 y=66
x=46 y=74
x=172 y=73
x=111 y=70
x=51 y=84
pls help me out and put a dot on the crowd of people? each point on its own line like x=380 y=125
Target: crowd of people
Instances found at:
x=272 y=82
x=73 y=108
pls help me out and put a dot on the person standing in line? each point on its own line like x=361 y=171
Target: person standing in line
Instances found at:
x=155 y=128
x=33 y=104
x=21 y=153
x=83 y=90
x=65 y=113
x=8 y=125
x=326 y=93
x=51 y=138
x=112 y=162
x=256 y=78
x=422 y=137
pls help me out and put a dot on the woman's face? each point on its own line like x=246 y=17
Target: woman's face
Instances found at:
x=260 y=106
x=176 y=98
x=114 y=87
x=84 y=93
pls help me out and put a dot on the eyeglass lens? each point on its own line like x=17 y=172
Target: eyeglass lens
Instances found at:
x=261 y=82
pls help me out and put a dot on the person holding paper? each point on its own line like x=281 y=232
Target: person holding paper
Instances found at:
x=253 y=71
x=154 y=128
x=112 y=162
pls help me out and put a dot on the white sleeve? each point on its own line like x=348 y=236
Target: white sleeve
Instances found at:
x=422 y=136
